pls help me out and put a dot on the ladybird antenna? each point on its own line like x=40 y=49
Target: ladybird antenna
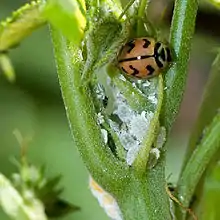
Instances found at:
x=129 y=4
x=190 y=211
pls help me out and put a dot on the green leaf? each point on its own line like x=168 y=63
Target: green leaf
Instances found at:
x=198 y=162
x=215 y=3
x=209 y=106
x=67 y=17
x=21 y=24
x=16 y=206
x=58 y=208
x=7 y=68
x=102 y=42
x=32 y=184
x=211 y=197
x=208 y=109
x=49 y=194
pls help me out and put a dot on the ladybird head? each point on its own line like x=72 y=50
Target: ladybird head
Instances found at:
x=162 y=55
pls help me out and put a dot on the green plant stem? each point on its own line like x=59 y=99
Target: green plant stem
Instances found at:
x=198 y=162
x=141 y=14
x=139 y=196
x=129 y=4
x=141 y=160
x=101 y=163
x=144 y=197
x=182 y=30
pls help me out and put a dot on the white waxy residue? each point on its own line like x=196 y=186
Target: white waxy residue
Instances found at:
x=122 y=77
x=127 y=140
x=139 y=124
x=155 y=152
x=134 y=126
x=100 y=118
x=100 y=92
x=134 y=85
x=161 y=138
x=132 y=153
x=153 y=98
x=105 y=135
x=146 y=84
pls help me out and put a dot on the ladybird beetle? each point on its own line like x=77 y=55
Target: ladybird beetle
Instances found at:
x=144 y=57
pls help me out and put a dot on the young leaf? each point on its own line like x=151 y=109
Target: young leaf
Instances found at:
x=21 y=24
x=68 y=17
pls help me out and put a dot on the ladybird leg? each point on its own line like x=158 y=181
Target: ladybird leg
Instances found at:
x=131 y=46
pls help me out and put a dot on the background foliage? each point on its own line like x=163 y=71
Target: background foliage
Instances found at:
x=34 y=104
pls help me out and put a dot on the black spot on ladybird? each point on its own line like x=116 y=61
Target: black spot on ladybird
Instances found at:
x=150 y=70
x=135 y=70
x=124 y=69
x=146 y=43
x=131 y=46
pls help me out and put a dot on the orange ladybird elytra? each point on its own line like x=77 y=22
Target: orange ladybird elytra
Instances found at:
x=144 y=57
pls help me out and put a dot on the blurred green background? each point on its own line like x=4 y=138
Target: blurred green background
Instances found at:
x=34 y=105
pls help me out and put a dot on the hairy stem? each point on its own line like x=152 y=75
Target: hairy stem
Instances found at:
x=102 y=165
x=182 y=30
